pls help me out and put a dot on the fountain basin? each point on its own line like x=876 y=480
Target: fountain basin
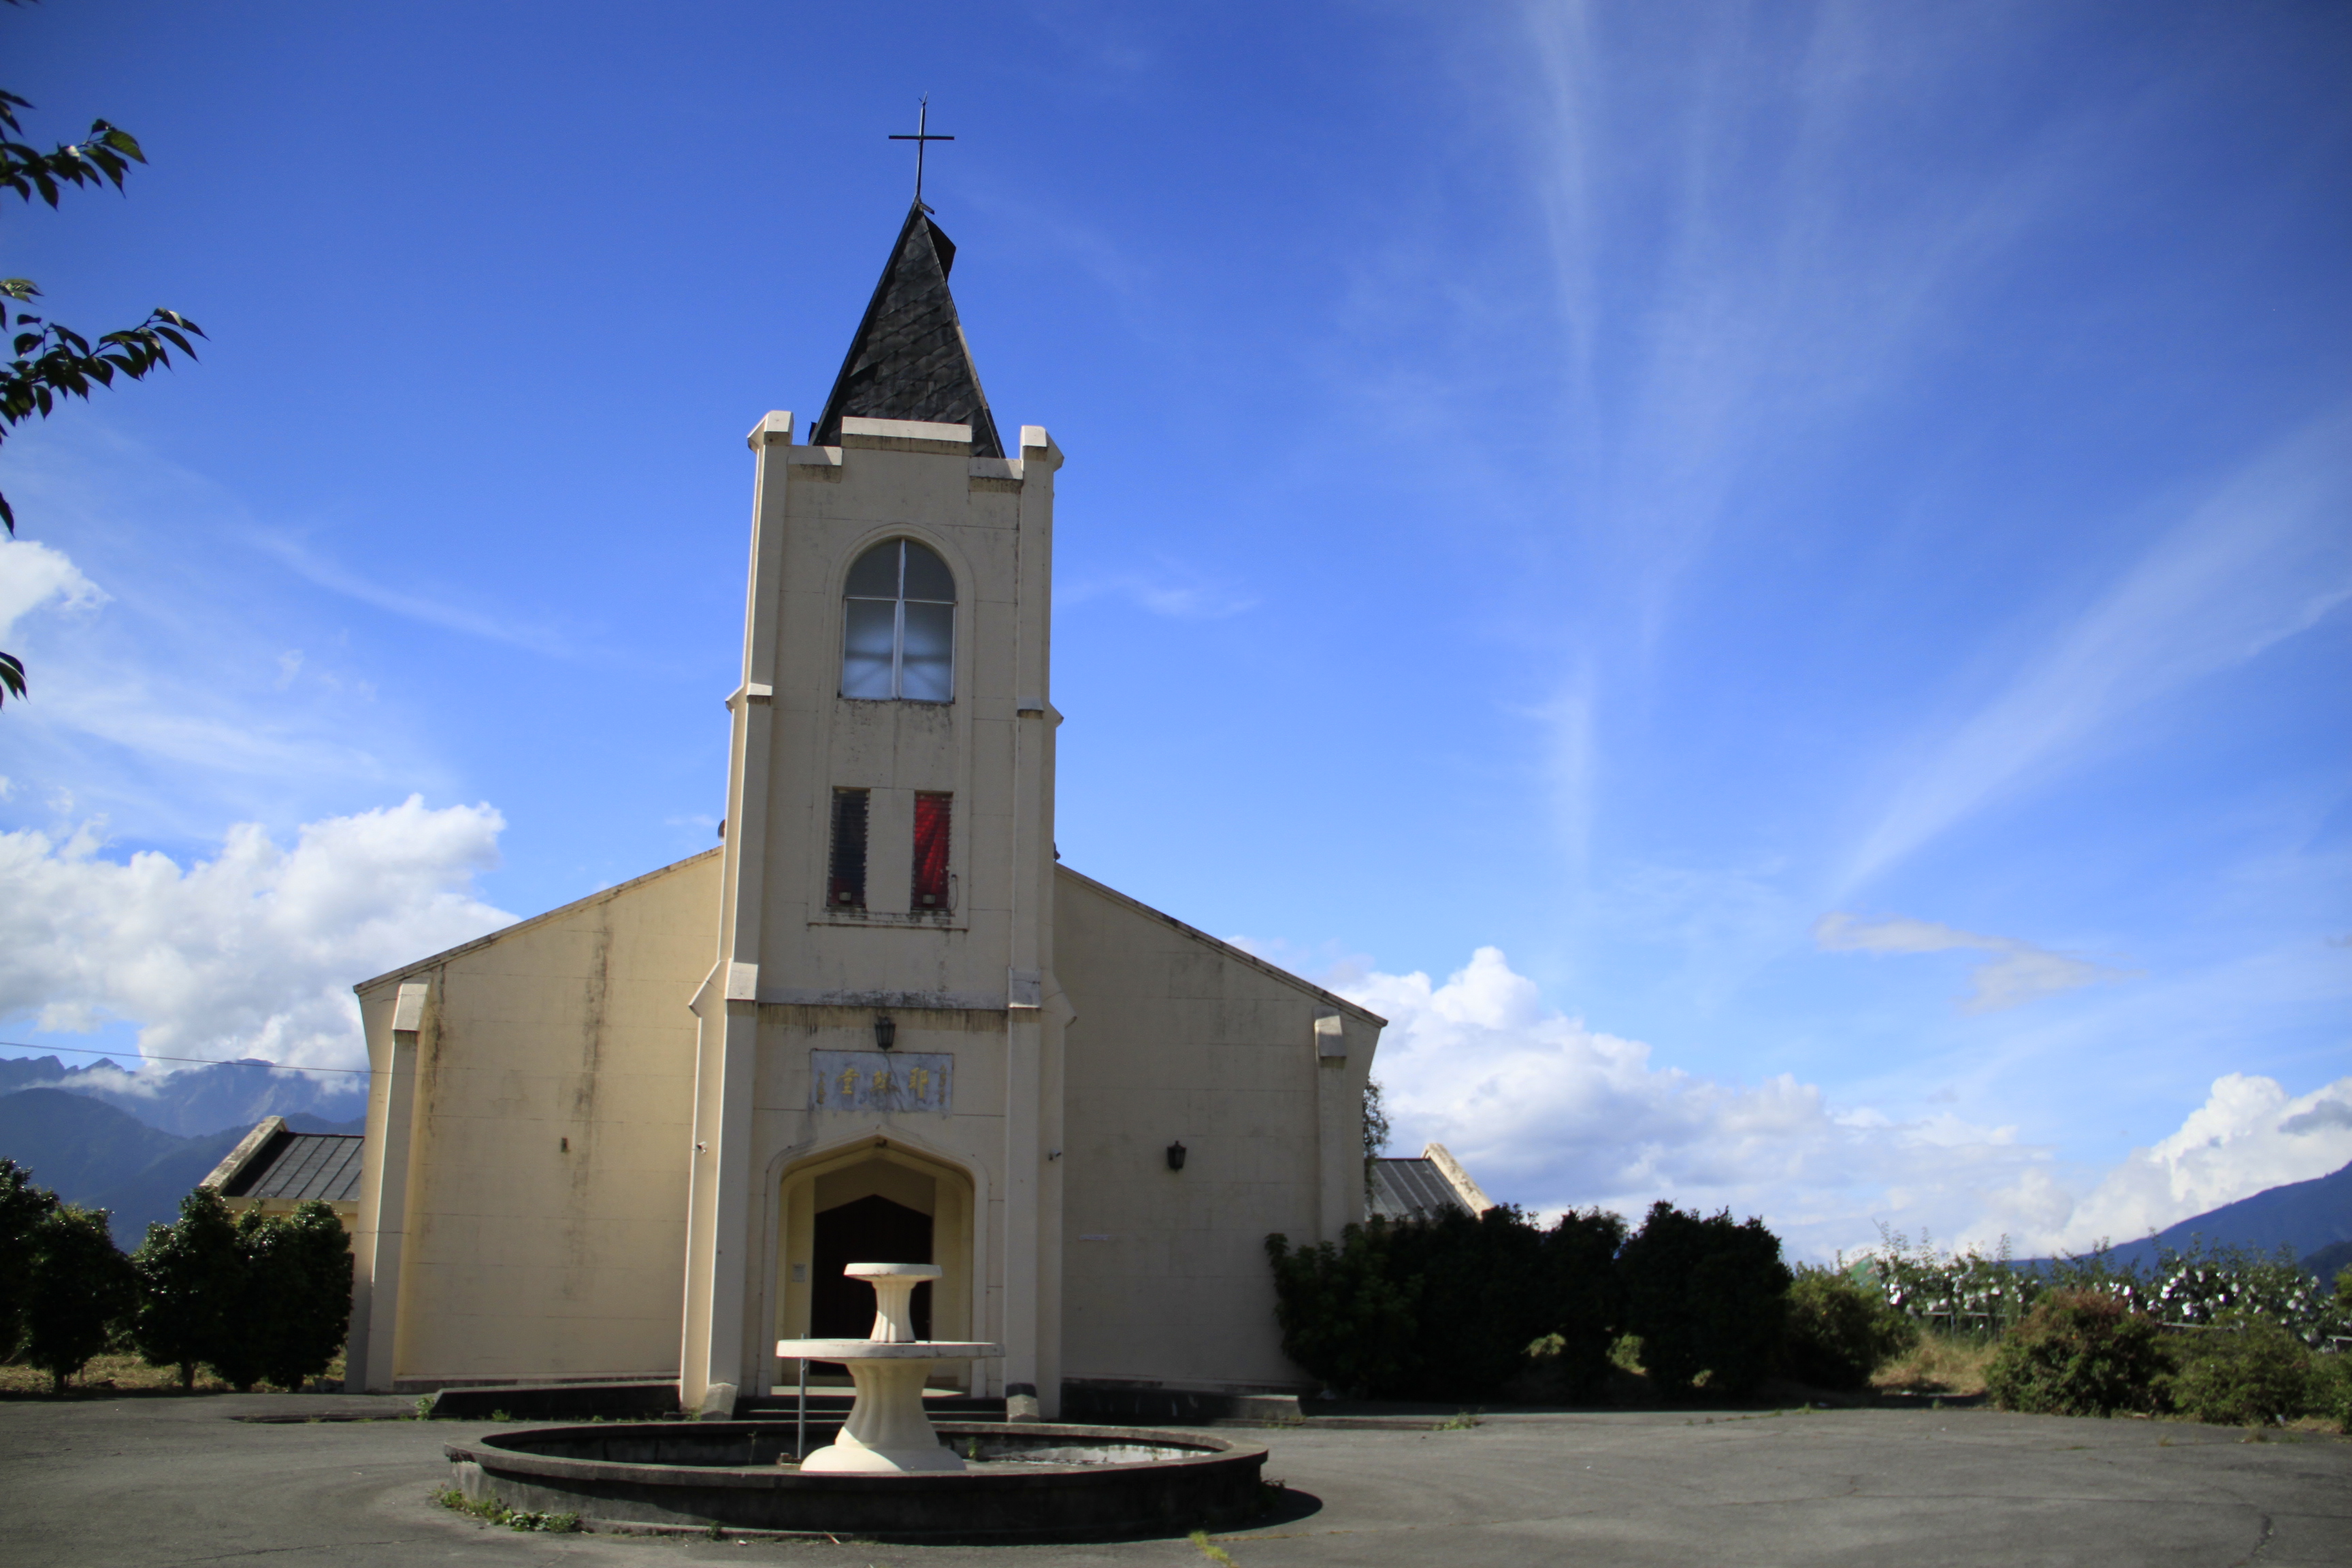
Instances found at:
x=888 y=1432
x=1037 y=1481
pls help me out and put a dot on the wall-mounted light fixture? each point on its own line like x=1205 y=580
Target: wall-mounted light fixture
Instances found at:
x=886 y=1033
x=1176 y=1156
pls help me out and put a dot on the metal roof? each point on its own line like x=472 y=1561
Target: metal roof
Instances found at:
x=909 y=359
x=1413 y=1189
x=299 y=1165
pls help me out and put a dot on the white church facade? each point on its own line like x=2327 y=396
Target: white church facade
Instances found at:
x=638 y=1136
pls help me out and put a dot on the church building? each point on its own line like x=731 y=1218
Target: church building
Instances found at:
x=640 y=1135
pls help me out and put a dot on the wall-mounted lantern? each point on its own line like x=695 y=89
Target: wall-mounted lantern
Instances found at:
x=886 y=1033
x=1176 y=1156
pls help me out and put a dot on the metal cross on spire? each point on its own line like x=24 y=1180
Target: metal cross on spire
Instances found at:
x=922 y=138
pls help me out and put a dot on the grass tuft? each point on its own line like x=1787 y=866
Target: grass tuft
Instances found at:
x=1939 y=1363
x=113 y=1376
x=492 y=1511
x=1210 y=1549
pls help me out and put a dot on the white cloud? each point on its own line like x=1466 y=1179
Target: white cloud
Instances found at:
x=32 y=575
x=2022 y=972
x=2250 y=1135
x=253 y=952
x=1551 y=1114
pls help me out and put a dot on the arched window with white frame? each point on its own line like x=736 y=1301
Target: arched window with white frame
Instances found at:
x=897 y=636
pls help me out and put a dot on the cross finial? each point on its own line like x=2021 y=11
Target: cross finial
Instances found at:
x=922 y=139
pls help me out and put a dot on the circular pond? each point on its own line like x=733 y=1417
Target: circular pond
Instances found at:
x=1025 y=1482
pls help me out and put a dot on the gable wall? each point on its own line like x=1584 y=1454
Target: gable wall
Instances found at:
x=1179 y=1038
x=523 y=1258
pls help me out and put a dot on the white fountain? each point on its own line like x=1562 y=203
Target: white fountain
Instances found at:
x=888 y=1432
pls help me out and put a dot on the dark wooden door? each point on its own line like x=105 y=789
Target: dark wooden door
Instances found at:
x=870 y=1230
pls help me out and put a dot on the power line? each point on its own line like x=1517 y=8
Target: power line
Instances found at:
x=200 y=1061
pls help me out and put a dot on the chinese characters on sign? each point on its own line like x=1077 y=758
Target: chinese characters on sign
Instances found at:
x=881 y=1081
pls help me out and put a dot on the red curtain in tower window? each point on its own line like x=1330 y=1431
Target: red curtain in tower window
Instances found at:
x=931 y=815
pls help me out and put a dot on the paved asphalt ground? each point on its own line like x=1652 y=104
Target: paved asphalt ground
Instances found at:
x=154 y=1481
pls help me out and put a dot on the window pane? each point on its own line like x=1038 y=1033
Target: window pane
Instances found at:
x=845 y=887
x=927 y=670
x=875 y=575
x=928 y=577
x=931 y=816
x=867 y=628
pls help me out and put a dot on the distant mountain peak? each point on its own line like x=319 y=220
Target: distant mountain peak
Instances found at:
x=196 y=1100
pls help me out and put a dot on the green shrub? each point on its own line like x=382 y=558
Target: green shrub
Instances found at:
x=77 y=1286
x=311 y=1270
x=293 y=1298
x=1960 y=1293
x=1585 y=1300
x=1707 y=1297
x=2248 y=1374
x=1838 y=1333
x=1480 y=1299
x=1452 y=1307
x=1342 y=1317
x=2329 y=1394
x=189 y=1277
x=2208 y=1285
x=22 y=1206
x=2080 y=1353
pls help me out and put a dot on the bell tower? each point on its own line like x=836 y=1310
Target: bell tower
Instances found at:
x=884 y=976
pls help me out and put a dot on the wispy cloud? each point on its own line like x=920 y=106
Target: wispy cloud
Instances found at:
x=1572 y=762
x=169 y=696
x=416 y=602
x=1173 y=591
x=2266 y=555
x=1722 y=295
x=2017 y=972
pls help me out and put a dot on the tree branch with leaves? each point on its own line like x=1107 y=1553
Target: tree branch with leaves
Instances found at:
x=52 y=362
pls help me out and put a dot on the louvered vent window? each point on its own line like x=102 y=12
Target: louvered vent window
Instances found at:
x=897 y=634
x=931 y=816
x=845 y=888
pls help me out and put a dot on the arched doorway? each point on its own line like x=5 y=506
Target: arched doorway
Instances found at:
x=875 y=1202
x=871 y=1229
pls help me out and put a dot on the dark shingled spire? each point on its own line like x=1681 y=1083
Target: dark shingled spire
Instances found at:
x=909 y=360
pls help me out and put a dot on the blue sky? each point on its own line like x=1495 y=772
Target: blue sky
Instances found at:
x=1817 y=533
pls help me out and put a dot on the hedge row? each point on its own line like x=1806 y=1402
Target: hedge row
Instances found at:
x=256 y=1299
x=1456 y=1307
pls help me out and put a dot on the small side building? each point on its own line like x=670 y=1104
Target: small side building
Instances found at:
x=275 y=1168
x=1424 y=1188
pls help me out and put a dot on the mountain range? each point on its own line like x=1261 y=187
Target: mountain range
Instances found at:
x=2312 y=1220
x=196 y=1100
x=135 y=1143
